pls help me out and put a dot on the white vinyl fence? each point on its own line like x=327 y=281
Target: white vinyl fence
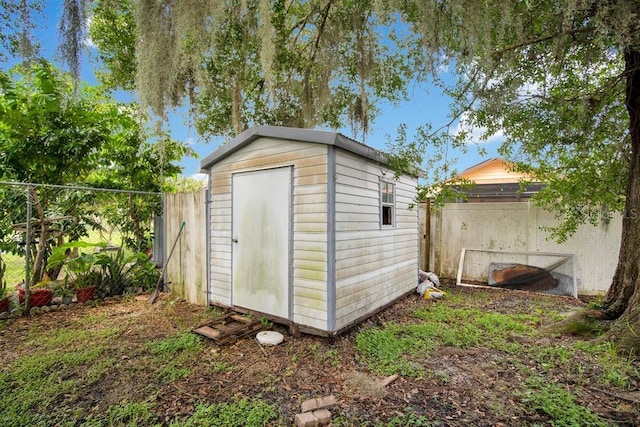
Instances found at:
x=517 y=226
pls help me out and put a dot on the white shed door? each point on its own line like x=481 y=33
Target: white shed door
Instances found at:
x=261 y=221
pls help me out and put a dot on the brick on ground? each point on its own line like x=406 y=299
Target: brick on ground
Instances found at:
x=317 y=418
x=306 y=419
x=319 y=403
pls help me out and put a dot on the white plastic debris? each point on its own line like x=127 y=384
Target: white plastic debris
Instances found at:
x=433 y=279
x=269 y=337
x=428 y=284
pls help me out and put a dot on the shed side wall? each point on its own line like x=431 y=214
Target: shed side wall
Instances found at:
x=309 y=222
x=374 y=266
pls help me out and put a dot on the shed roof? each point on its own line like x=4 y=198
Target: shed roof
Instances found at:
x=292 y=134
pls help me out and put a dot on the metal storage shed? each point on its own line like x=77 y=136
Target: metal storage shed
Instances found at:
x=309 y=228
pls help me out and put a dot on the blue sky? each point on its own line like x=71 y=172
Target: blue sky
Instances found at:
x=426 y=104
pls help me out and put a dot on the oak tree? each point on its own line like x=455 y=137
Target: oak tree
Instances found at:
x=560 y=79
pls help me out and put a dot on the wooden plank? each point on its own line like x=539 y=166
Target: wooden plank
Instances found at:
x=208 y=331
x=228 y=328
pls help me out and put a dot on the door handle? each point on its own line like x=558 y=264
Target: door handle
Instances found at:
x=234 y=240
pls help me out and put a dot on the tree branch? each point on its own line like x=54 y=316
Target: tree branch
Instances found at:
x=538 y=40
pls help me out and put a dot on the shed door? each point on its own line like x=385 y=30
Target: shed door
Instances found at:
x=261 y=221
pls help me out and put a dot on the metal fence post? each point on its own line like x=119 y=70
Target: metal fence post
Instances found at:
x=27 y=255
x=158 y=238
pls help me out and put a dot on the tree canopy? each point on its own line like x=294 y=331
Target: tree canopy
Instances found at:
x=560 y=79
x=52 y=133
x=239 y=63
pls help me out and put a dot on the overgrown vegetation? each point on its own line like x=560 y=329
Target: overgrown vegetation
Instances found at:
x=403 y=348
x=54 y=134
x=475 y=357
x=390 y=350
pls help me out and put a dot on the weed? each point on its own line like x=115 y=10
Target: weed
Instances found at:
x=617 y=369
x=170 y=373
x=130 y=414
x=94 y=319
x=550 y=357
x=220 y=366
x=171 y=346
x=386 y=350
x=383 y=350
x=265 y=323
x=38 y=380
x=332 y=355
x=269 y=382
x=597 y=303
x=558 y=404
x=443 y=377
x=408 y=420
x=239 y=413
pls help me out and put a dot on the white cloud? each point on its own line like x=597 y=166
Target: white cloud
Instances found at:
x=477 y=135
x=200 y=176
x=87 y=40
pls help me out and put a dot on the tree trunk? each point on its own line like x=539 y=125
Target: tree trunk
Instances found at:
x=622 y=301
x=40 y=259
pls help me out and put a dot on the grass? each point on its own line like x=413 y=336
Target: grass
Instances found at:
x=126 y=365
x=42 y=387
x=401 y=349
x=16 y=263
x=389 y=350
x=542 y=396
x=172 y=346
x=37 y=381
x=15 y=270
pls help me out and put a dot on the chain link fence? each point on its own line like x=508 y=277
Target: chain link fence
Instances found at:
x=62 y=245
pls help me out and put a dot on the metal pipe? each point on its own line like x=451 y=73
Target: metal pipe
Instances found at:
x=27 y=254
x=30 y=185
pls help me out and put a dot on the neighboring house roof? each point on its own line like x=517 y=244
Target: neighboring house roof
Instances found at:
x=496 y=181
x=493 y=171
x=293 y=134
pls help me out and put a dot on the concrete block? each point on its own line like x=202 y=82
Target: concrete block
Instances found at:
x=319 y=403
x=317 y=418
x=306 y=419
x=323 y=416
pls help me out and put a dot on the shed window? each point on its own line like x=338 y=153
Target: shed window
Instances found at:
x=388 y=203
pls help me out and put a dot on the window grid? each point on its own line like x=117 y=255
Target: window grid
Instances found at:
x=387 y=198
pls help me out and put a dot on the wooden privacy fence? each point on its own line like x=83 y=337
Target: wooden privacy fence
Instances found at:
x=186 y=272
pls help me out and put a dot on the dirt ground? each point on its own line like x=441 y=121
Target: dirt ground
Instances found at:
x=481 y=387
